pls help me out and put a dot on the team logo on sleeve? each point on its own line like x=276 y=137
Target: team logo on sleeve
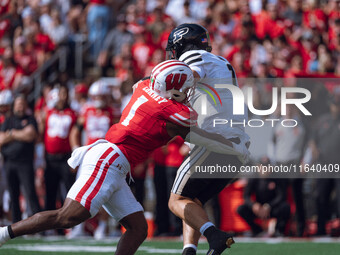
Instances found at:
x=178 y=35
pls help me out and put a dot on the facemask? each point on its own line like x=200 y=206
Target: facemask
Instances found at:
x=98 y=103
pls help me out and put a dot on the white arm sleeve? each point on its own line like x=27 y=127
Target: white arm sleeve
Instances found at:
x=212 y=145
x=198 y=70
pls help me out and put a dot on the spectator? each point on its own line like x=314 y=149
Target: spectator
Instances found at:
x=113 y=43
x=42 y=42
x=175 y=10
x=186 y=17
x=135 y=23
x=98 y=19
x=75 y=19
x=80 y=97
x=270 y=202
x=177 y=151
x=293 y=12
x=58 y=124
x=45 y=18
x=6 y=100
x=287 y=148
x=141 y=51
x=223 y=22
x=10 y=73
x=160 y=183
x=199 y=8
x=96 y=117
x=42 y=105
x=156 y=24
x=56 y=30
x=325 y=146
x=17 y=138
x=167 y=160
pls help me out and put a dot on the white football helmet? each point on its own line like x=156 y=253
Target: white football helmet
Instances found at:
x=99 y=92
x=52 y=98
x=99 y=88
x=6 y=97
x=173 y=79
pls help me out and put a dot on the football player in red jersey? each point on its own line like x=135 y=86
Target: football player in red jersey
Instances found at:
x=155 y=114
x=58 y=123
x=97 y=116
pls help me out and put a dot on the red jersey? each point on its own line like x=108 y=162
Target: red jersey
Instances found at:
x=5 y=26
x=57 y=131
x=4 y=6
x=142 y=127
x=8 y=75
x=97 y=122
x=44 y=43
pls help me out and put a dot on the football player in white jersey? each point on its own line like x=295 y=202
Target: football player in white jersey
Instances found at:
x=190 y=43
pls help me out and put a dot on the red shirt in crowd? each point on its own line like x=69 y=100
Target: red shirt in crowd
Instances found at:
x=4 y=27
x=57 y=130
x=27 y=60
x=141 y=53
x=314 y=19
x=44 y=43
x=264 y=25
x=8 y=75
x=4 y=6
x=98 y=122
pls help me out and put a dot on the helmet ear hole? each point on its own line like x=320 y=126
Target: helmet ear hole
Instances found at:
x=178 y=95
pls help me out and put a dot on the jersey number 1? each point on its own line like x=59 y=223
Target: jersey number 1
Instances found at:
x=140 y=100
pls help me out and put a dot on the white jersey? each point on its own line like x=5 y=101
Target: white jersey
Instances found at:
x=215 y=70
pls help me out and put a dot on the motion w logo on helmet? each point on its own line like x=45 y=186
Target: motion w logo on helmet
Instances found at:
x=175 y=81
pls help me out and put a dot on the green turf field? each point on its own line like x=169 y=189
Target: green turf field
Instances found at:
x=59 y=246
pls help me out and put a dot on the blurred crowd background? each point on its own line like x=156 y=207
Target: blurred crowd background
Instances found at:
x=79 y=59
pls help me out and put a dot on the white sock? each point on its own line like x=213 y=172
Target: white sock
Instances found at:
x=4 y=235
x=205 y=226
x=102 y=223
x=190 y=246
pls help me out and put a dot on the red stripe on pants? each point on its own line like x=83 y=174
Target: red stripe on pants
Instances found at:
x=100 y=182
x=93 y=175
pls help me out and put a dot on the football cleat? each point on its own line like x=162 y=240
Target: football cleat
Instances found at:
x=189 y=251
x=219 y=244
x=4 y=236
